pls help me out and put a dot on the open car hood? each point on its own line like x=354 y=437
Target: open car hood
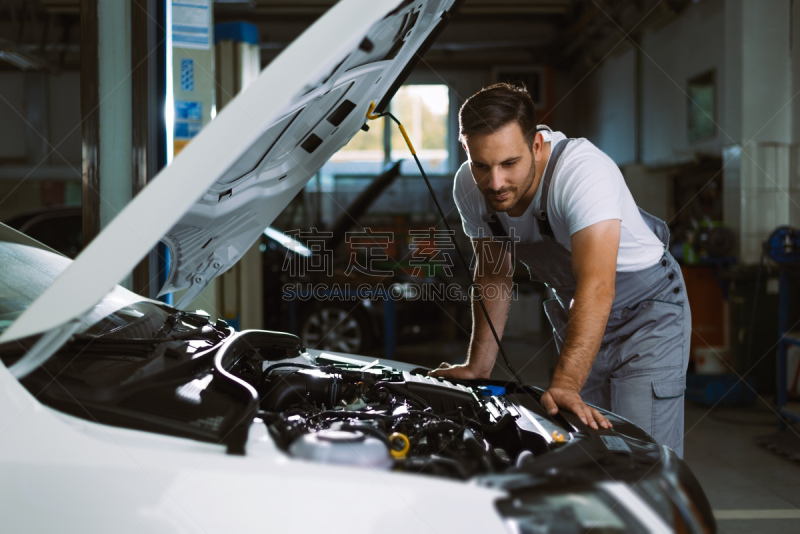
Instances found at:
x=241 y=171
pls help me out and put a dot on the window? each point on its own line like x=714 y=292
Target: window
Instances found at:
x=424 y=111
x=364 y=154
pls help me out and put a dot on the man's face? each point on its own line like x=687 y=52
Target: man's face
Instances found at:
x=503 y=167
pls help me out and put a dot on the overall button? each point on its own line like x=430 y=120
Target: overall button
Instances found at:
x=676 y=290
x=671 y=276
x=663 y=263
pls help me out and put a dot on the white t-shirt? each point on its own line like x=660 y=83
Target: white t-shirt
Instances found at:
x=587 y=187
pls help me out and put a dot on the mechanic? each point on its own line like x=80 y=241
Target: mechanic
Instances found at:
x=621 y=319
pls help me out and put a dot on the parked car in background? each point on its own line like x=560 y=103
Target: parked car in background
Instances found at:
x=58 y=227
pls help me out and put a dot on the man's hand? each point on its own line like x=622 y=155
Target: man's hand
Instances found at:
x=568 y=399
x=457 y=372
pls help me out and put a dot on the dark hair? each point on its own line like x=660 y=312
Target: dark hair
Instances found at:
x=494 y=107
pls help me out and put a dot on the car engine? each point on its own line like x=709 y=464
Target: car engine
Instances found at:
x=338 y=410
x=317 y=406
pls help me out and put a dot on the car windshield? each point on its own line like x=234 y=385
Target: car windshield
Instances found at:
x=28 y=270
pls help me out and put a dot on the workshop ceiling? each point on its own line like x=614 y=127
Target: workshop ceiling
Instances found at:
x=45 y=34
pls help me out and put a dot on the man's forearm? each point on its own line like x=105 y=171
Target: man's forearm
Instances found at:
x=493 y=282
x=588 y=318
x=594 y=263
x=483 y=346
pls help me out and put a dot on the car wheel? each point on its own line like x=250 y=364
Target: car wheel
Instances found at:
x=336 y=328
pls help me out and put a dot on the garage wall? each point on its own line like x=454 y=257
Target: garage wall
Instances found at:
x=12 y=113
x=32 y=175
x=36 y=171
x=64 y=131
x=602 y=103
x=612 y=123
x=597 y=99
x=767 y=106
x=598 y=103
x=766 y=40
x=65 y=118
x=681 y=50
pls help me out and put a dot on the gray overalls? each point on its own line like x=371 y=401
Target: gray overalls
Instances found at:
x=640 y=369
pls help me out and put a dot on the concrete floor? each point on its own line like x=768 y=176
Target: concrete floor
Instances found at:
x=750 y=489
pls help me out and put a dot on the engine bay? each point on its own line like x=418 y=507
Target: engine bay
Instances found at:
x=317 y=406
x=338 y=411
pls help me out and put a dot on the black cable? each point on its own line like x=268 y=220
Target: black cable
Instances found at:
x=461 y=257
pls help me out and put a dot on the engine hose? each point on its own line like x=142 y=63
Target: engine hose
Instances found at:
x=288 y=364
x=501 y=423
x=269 y=417
x=456 y=455
x=307 y=389
x=420 y=463
x=403 y=393
x=477 y=450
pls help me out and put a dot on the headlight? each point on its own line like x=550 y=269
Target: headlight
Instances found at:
x=659 y=494
x=609 y=507
x=681 y=508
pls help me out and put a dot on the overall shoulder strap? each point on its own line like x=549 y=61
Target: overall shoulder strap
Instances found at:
x=541 y=212
x=494 y=222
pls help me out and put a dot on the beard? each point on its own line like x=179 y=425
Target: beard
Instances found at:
x=513 y=194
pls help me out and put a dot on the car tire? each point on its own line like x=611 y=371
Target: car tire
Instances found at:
x=334 y=327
